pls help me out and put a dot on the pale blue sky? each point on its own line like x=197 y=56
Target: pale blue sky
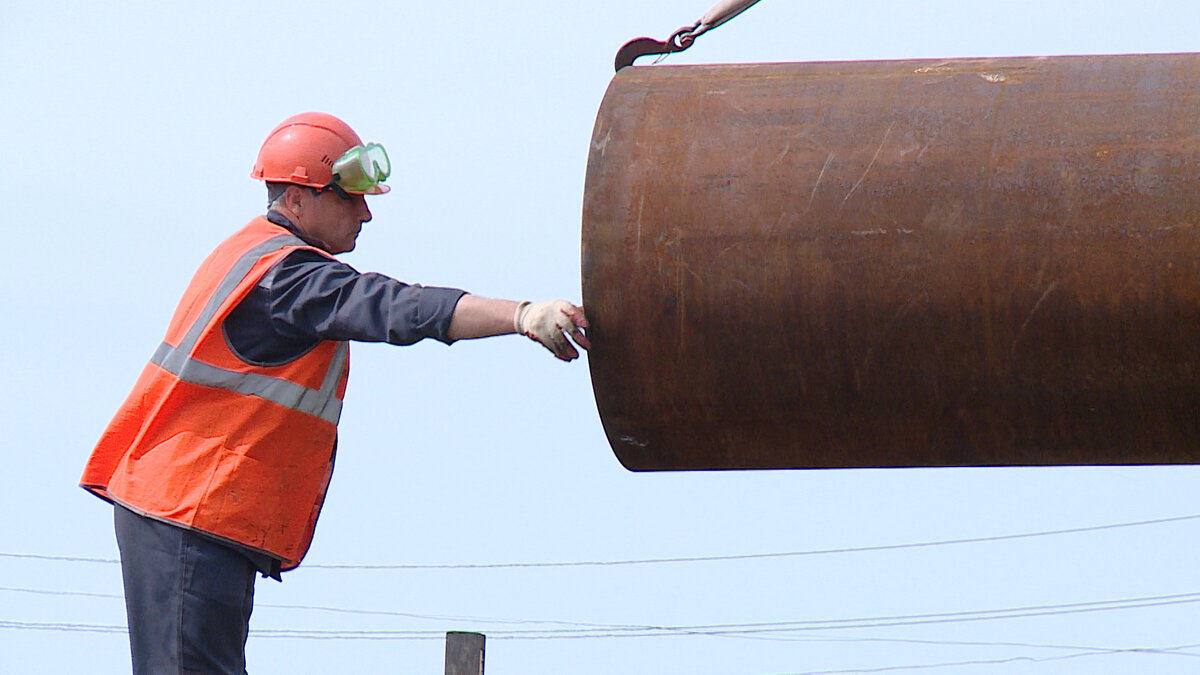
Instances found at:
x=129 y=130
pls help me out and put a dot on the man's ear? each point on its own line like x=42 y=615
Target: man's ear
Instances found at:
x=295 y=198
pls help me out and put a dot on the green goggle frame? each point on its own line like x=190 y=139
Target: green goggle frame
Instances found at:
x=362 y=168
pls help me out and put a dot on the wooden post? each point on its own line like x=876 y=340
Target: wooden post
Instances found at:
x=464 y=653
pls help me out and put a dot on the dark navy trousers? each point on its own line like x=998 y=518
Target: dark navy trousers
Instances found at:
x=188 y=599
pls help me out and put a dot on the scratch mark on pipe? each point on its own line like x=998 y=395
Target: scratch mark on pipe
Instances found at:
x=872 y=164
x=637 y=247
x=602 y=145
x=935 y=68
x=725 y=250
x=777 y=160
x=1036 y=305
x=817 y=184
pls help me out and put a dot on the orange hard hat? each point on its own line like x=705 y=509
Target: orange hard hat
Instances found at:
x=303 y=149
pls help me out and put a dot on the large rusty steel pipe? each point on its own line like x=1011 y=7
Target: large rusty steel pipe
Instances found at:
x=908 y=263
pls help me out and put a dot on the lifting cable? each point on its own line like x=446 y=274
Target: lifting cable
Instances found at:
x=684 y=37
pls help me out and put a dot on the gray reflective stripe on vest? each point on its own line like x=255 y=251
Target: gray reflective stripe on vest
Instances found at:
x=234 y=277
x=322 y=403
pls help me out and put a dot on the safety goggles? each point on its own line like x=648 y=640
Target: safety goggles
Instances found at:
x=362 y=169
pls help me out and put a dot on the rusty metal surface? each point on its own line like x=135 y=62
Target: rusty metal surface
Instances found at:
x=907 y=263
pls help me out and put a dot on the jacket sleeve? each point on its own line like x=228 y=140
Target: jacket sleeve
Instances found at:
x=310 y=297
x=307 y=297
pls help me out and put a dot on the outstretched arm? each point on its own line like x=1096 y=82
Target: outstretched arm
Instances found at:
x=543 y=322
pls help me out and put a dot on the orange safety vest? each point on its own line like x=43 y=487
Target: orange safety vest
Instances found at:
x=236 y=450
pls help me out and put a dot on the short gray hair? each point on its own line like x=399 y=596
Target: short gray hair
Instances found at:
x=275 y=192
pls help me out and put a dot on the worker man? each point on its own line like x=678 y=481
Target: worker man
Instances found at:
x=218 y=461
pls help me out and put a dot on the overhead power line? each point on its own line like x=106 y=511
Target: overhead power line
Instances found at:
x=1176 y=651
x=62 y=627
x=1181 y=650
x=59 y=558
x=757 y=556
x=781 y=630
x=320 y=608
x=679 y=559
x=544 y=622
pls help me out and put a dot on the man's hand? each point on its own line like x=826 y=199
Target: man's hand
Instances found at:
x=546 y=322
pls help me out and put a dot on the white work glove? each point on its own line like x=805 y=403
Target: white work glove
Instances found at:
x=546 y=322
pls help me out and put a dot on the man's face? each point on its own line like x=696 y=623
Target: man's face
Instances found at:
x=334 y=221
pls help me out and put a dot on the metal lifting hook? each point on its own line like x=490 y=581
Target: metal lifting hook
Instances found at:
x=682 y=38
x=644 y=46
